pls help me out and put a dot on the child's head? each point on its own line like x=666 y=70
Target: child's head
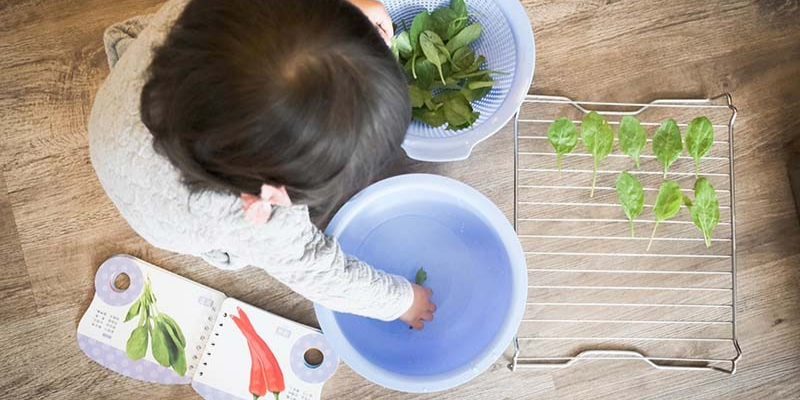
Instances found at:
x=301 y=93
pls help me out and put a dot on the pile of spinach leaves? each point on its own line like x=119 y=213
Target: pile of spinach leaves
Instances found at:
x=443 y=72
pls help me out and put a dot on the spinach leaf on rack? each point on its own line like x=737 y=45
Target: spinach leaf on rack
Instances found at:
x=563 y=135
x=667 y=144
x=631 y=196
x=598 y=138
x=705 y=209
x=668 y=203
x=632 y=137
x=699 y=139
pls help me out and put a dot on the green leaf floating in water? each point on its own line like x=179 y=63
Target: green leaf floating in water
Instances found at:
x=667 y=144
x=598 y=138
x=421 y=277
x=667 y=205
x=705 y=209
x=563 y=135
x=136 y=347
x=631 y=196
x=699 y=139
x=632 y=137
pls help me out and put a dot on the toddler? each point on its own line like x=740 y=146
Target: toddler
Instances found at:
x=227 y=128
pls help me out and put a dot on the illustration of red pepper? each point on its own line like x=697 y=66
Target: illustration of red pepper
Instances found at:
x=265 y=372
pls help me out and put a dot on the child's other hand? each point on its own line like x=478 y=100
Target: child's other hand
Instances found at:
x=376 y=12
x=421 y=309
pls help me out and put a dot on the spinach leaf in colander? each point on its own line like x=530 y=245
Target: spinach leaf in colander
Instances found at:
x=443 y=71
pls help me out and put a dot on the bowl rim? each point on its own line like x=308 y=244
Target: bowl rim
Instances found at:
x=519 y=288
x=459 y=147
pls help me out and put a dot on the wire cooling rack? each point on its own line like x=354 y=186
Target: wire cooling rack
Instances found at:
x=595 y=292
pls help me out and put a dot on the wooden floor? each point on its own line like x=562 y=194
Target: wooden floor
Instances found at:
x=56 y=224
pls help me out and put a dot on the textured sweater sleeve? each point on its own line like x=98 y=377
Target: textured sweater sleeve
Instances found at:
x=297 y=253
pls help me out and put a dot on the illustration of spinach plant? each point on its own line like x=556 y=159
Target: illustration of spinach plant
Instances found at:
x=167 y=343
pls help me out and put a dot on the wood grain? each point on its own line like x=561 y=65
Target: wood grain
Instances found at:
x=56 y=225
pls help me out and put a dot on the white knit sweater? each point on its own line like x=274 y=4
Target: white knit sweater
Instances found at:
x=147 y=190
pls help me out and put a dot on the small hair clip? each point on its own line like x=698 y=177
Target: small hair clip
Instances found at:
x=258 y=209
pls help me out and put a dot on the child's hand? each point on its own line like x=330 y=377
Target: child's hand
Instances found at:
x=421 y=308
x=376 y=12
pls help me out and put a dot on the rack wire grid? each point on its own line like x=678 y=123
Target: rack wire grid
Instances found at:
x=595 y=292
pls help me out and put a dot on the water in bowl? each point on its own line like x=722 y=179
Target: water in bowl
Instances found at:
x=468 y=270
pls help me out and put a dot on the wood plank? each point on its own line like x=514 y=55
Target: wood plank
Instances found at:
x=56 y=225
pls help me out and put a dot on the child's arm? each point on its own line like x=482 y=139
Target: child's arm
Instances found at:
x=298 y=254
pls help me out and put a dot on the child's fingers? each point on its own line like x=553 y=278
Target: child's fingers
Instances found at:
x=427 y=316
x=417 y=325
x=429 y=290
x=432 y=307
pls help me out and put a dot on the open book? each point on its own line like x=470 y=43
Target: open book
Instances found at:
x=150 y=324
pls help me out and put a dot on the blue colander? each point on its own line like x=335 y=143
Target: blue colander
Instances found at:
x=507 y=43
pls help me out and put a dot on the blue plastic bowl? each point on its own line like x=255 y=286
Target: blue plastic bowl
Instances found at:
x=475 y=267
x=508 y=44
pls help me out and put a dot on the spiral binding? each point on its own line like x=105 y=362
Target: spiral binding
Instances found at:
x=207 y=340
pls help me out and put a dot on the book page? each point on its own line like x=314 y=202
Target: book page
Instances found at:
x=147 y=323
x=253 y=353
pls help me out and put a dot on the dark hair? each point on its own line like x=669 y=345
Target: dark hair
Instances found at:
x=301 y=93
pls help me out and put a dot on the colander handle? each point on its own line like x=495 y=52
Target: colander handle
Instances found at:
x=438 y=150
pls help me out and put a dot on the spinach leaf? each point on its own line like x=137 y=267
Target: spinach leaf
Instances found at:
x=475 y=94
x=667 y=205
x=563 y=135
x=667 y=144
x=434 y=118
x=457 y=111
x=402 y=43
x=418 y=25
x=136 y=346
x=462 y=59
x=430 y=43
x=442 y=19
x=598 y=138
x=486 y=82
x=632 y=137
x=465 y=37
x=417 y=96
x=421 y=277
x=631 y=196
x=705 y=209
x=426 y=73
x=460 y=8
x=699 y=139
